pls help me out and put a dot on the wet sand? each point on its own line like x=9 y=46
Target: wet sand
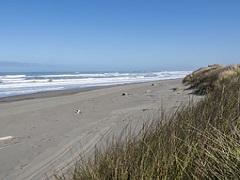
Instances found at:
x=47 y=131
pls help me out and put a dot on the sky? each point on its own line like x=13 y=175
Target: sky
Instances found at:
x=118 y=35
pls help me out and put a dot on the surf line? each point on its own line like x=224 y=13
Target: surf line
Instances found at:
x=5 y=138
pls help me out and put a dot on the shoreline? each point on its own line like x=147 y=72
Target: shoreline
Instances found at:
x=66 y=92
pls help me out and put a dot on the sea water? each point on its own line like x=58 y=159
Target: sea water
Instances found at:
x=27 y=83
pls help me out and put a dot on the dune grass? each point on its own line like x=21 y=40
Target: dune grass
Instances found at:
x=199 y=141
x=209 y=78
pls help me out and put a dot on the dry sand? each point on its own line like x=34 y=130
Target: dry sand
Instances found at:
x=46 y=134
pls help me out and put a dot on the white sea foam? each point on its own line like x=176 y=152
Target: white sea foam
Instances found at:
x=31 y=83
x=14 y=76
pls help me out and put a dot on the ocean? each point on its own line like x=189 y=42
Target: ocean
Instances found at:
x=12 y=84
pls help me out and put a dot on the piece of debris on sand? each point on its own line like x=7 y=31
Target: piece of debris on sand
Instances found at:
x=125 y=94
x=174 y=89
x=78 y=111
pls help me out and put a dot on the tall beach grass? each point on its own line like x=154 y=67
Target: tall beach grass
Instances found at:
x=198 y=141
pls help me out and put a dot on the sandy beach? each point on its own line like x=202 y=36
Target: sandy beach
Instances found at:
x=46 y=134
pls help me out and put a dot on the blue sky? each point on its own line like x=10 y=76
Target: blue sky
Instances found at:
x=118 y=35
